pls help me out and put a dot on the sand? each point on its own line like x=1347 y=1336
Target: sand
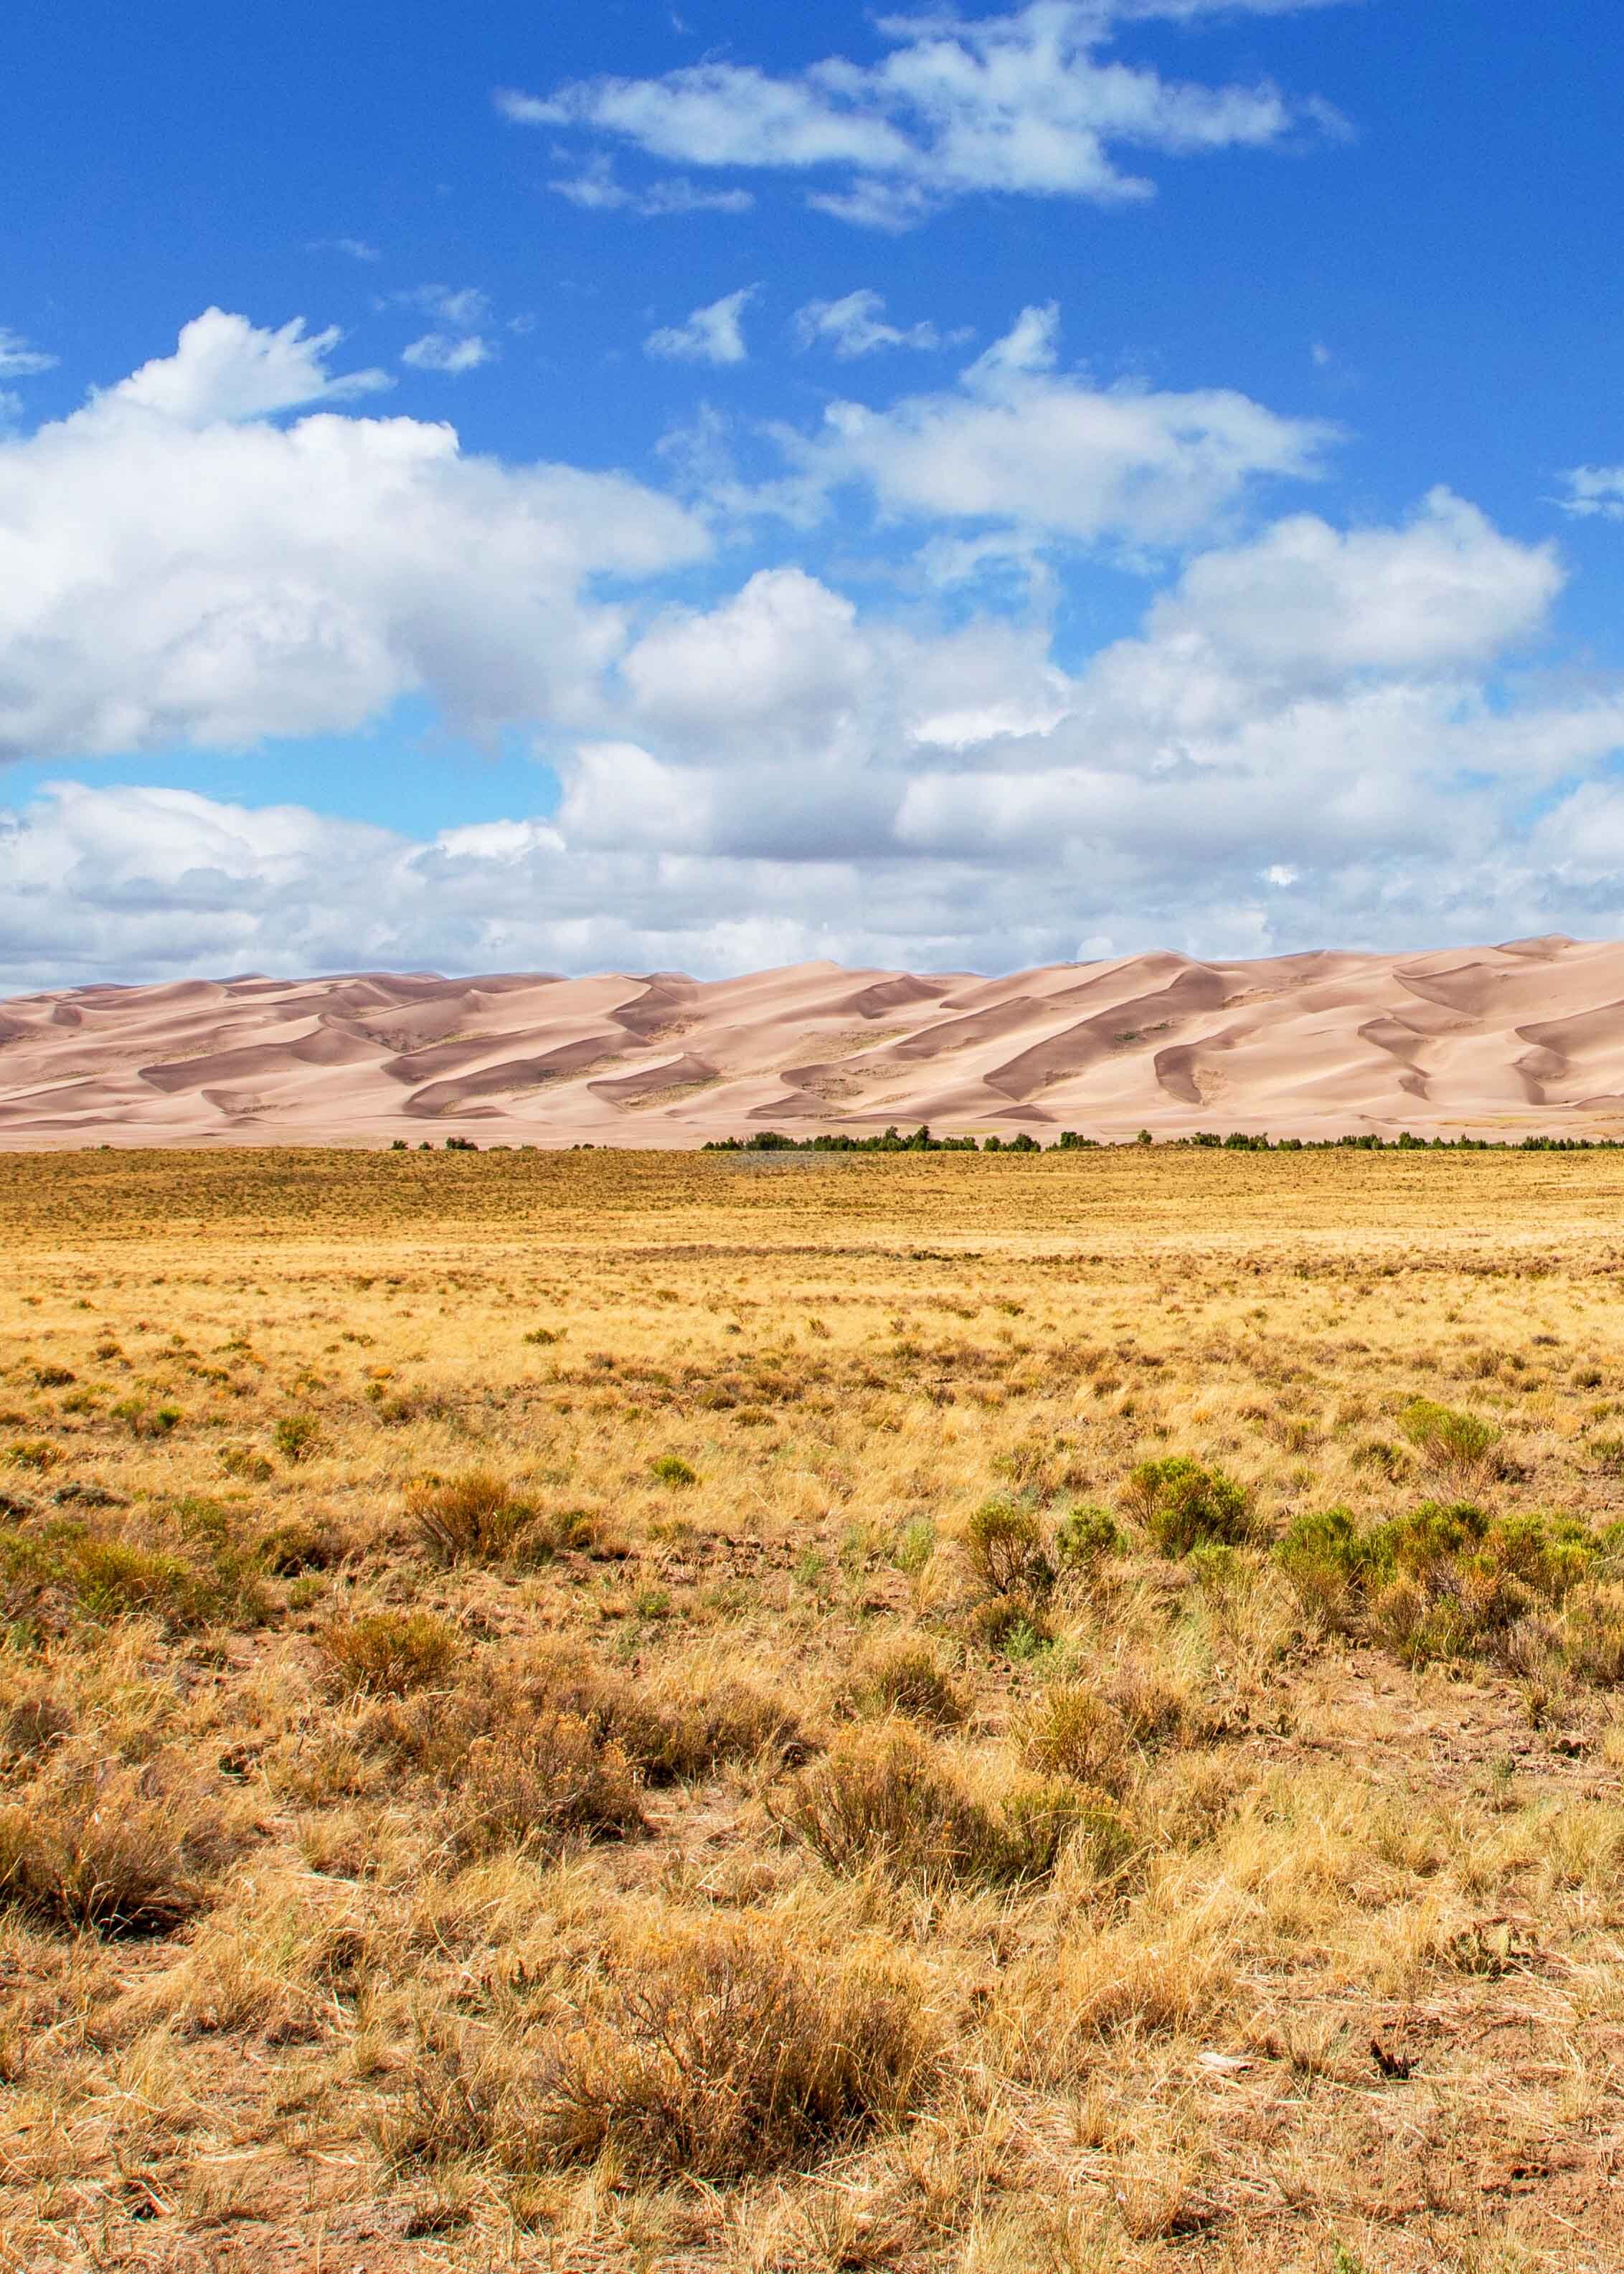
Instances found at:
x=1489 y=1042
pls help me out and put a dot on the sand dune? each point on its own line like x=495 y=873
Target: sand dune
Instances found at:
x=1492 y=1042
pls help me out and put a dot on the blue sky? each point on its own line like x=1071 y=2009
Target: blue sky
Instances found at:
x=700 y=486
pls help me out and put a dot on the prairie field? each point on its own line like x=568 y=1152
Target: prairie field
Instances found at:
x=1019 y=1715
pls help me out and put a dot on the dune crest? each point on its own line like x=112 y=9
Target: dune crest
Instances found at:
x=1487 y=1042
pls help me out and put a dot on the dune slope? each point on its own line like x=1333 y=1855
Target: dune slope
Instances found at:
x=1494 y=1041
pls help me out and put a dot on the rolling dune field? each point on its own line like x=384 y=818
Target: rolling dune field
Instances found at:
x=1491 y=1041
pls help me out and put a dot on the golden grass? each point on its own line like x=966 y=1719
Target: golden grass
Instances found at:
x=597 y=1711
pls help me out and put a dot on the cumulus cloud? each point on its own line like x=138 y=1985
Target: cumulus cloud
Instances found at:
x=597 y=188
x=1029 y=102
x=1314 y=733
x=713 y=334
x=1309 y=740
x=439 y=351
x=1020 y=444
x=855 y=326
x=19 y=358
x=174 y=566
x=225 y=370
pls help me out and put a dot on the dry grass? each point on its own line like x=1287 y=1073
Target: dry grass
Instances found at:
x=1001 y=1716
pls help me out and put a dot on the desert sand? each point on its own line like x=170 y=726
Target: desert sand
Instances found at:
x=1502 y=1040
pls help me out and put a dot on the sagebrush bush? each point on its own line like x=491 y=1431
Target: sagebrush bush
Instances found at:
x=1185 y=1505
x=475 y=1519
x=1005 y=1548
x=1072 y=1731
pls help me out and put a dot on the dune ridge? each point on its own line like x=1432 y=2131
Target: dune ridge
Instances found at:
x=1494 y=1041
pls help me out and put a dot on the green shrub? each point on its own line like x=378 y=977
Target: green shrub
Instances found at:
x=669 y=1470
x=1462 y=1447
x=1086 y=1537
x=1184 y=1505
x=295 y=1436
x=1005 y=1548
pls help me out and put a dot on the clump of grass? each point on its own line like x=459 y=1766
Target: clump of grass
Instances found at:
x=535 y=1786
x=121 y=1851
x=475 y=1519
x=295 y=1436
x=706 y=2057
x=907 y=1676
x=889 y=1797
x=1072 y=1731
x=1184 y=1505
x=301 y=1544
x=663 y=1738
x=670 y=1469
x=388 y=1654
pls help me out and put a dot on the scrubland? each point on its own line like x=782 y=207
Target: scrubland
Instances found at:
x=593 y=1711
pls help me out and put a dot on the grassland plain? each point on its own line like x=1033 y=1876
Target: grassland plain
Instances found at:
x=596 y=1710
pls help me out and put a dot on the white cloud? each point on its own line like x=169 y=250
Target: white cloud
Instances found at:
x=1020 y=444
x=19 y=359
x=1028 y=102
x=225 y=369
x=597 y=189
x=462 y=309
x=353 y=248
x=1314 y=735
x=1313 y=603
x=173 y=567
x=438 y=351
x=713 y=334
x=1595 y=490
x=856 y=325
